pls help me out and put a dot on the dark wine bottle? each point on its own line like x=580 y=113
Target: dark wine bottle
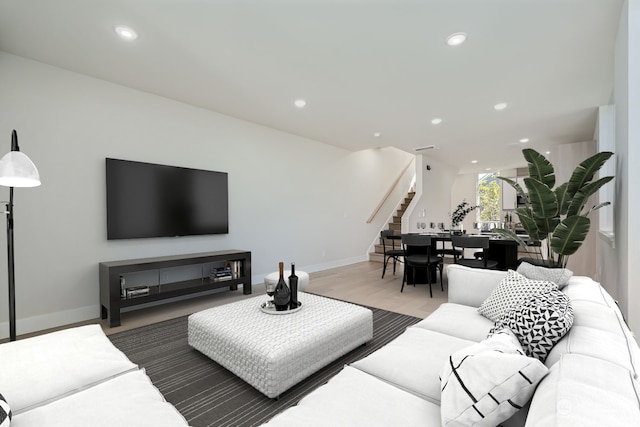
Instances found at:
x=293 y=284
x=282 y=296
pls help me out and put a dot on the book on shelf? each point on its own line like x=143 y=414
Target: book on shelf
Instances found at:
x=230 y=271
x=137 y=291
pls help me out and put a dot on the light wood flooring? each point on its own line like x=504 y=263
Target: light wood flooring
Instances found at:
x=359 y=283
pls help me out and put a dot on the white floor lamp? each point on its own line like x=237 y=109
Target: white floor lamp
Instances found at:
x=16 y=170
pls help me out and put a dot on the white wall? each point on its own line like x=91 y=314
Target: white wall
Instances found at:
x=465 y=188
x=290 y=198
x=433 y=195
x=619 y=268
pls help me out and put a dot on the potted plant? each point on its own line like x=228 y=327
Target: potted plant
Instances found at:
x=557 y=217
x=458 y=215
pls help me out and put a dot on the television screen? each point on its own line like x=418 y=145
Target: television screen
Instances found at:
x=150 y=200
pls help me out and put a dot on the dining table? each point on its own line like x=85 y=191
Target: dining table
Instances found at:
x=501 y=249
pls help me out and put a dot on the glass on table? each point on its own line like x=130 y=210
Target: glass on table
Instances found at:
x=270 y=287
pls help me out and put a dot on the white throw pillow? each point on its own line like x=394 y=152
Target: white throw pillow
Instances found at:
x=509 y=292
x=5 y=413
x=486 y=383
x=559 y=276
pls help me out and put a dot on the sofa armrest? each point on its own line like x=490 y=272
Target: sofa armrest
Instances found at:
x=471 y=286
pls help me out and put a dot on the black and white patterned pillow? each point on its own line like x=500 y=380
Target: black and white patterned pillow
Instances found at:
x=5 y=413
x=539 y=322
x=559 y=276
x=513 y=288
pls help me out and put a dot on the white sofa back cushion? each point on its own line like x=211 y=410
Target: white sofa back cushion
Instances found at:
x=471 y=286
x=574 y=394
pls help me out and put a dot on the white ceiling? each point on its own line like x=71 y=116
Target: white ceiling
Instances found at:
x=362 y=66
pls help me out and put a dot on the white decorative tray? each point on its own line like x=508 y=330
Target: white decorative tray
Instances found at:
x=271 y=309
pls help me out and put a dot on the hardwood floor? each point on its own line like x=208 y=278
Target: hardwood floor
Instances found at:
x=358 y=283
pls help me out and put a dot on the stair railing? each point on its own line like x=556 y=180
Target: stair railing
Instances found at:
x=386 y=196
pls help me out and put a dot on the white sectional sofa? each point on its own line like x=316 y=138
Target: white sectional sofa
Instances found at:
x=590 y=377
x=76 y=377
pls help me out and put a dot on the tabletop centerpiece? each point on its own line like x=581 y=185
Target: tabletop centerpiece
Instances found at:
x=458 y=215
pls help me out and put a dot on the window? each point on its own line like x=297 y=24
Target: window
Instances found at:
x=488 y=194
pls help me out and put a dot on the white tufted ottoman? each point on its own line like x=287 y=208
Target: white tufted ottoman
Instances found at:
x=274 y=352
x=303 y=278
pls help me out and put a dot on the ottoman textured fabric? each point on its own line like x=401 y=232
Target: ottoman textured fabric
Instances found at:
x=274 y=352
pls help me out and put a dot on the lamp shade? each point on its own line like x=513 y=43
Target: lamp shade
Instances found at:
x=17 y=170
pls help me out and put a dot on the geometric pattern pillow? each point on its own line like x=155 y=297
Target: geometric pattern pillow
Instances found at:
x=487 y=382
x=513 y=288
x=539 y=322
x=559 y=276
x=5 y=413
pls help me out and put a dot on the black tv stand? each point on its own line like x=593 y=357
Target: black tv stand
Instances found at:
x=129 y=283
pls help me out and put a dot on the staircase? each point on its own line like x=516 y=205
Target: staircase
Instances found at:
x=396 y=226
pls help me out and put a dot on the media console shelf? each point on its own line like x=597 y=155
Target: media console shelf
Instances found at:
x=133 y=282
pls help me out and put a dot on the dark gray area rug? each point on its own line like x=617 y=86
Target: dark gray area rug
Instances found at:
x=209 y=395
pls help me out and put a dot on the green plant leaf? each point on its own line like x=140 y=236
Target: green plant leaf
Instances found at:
x=546 y=226
x=580 y=198
x=596 y=207
x=540 y=168
x=563 y=198
x=544 y=203
x=529 y=224
x=585 y=171
x=569 y=235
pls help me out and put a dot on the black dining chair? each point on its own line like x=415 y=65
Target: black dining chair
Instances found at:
x=419 y=254
x=392 y=252
x=474 y=242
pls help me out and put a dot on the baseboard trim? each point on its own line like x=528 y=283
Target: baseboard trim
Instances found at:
x=51 y=320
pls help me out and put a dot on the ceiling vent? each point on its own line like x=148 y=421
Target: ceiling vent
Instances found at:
x=428 y=147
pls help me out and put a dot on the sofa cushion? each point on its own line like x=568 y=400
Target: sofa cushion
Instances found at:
x=587 y=392
x=471 y=286
x=559 y=276
x=5 y=412
x=356 y=399
x=539 y=322
x=128 y=400
x=488 y=382
x=513 y=288
x=457 y=320
x=594 y=342
x=39 y=369
x=412 y=361
x=585 y=288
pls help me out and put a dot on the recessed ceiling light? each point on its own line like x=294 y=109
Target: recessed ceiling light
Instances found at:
x=126 y=33
x=524 y=140
x=456 y=39
x=474 y=161
x=547 y=152
x=436 y=121
x=488 y=169
x=300 y=103
x=500 y=106
x=376 y=134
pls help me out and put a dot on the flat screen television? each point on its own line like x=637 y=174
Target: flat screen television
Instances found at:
x=151 y=200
